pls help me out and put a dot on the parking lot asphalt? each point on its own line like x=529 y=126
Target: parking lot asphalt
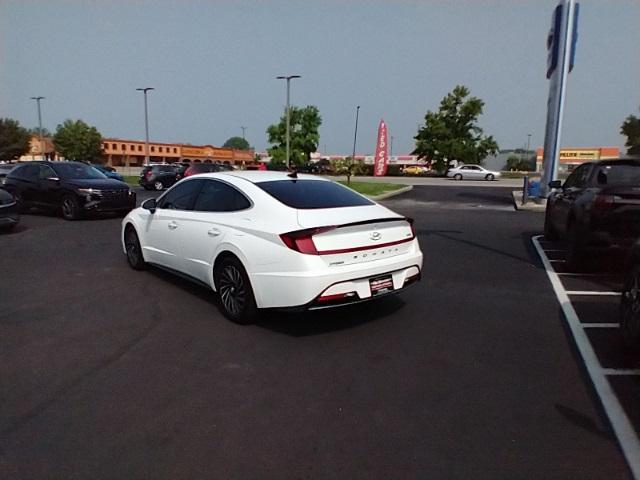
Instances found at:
x=110 y=373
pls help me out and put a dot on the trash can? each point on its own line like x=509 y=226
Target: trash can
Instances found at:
x=534 y=188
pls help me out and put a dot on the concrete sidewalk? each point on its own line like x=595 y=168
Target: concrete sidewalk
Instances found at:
x=531 y=204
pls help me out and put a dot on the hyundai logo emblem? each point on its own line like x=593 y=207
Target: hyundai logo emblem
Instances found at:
x=375 y=236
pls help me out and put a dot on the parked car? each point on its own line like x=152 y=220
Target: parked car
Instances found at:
x=108 y=172
x=5 y=168
x=630 y=303
x=415 y=170
x=74 y=188
x=158 y=176
x=472 y=172
x=267 y=240
x=597 y=207
x=9 y=215
x=198 y=168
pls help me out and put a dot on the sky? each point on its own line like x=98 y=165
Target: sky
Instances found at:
x=213 y=66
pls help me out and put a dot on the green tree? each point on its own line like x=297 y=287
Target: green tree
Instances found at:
x=347 y=166
x=515 y=162
x=631 y=129
x=304 y=136
x=75 y=140
x=14 y=139
x=452 y=132
x=237 y=143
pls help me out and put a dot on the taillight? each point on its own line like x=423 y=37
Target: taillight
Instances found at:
x=302 y=240
x=604 y=202
x=413 y=230
x=149 y=174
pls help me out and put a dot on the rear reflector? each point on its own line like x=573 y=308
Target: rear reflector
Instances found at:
x=337 y=296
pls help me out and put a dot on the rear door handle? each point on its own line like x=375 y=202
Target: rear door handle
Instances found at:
x=214 y=232
x=172 y=225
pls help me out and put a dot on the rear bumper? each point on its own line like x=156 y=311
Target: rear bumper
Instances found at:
x=303 y=290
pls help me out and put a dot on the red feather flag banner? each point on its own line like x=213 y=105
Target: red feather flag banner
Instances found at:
x=381 y=161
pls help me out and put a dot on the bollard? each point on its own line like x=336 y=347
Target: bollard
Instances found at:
x=525 y=190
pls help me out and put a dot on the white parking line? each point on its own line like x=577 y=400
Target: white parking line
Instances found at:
x=557 y=261
x=550 y=250
x=600 y=325
x=612 y=372
x=592 y=293
x=620 y=423
x=573 y=274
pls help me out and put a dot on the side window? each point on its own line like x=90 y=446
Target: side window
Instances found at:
x=572 y=179
x=27 y=172
x=583 y=176
x=219 y=197
x=45 y=172
x=181 y=197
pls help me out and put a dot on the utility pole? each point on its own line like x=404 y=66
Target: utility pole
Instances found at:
x=288 y=79
x=146 y=121
x=37 y=99
x=243 y=129
x=355 y=136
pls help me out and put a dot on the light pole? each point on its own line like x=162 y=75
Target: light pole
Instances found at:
x=528 y=143
x=391 y=148
x=243 y=129
x=37 y=99
x=355 y=136
x=146 y=121
x=288 y=79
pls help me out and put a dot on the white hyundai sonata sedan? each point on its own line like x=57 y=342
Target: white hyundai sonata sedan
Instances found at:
x=267 y=240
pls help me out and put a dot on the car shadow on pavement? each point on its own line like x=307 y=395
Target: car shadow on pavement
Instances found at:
x=334 y=319
x=502 y=199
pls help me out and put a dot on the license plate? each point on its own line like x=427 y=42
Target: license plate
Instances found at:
x=381 y=285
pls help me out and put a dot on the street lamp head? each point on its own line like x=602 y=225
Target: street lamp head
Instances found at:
x=287 y=77
x=37 y=98
x=146 y=89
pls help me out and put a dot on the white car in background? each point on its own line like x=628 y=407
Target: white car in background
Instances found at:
x=274 y=240
x=472 y=172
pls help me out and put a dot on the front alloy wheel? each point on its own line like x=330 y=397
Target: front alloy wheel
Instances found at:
x=236 y=295
x=134 y=252
x=630 y=310
x=70 y=208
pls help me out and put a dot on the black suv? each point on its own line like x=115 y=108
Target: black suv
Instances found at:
x=158 y=177
x=74 y=188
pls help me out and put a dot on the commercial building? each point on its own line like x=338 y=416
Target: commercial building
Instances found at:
x=570 y=158
x=118 y=152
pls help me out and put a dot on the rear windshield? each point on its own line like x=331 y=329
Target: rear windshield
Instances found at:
x=310 y=194
x=619 y=175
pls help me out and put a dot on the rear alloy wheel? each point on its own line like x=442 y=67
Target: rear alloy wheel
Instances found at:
x=158 y=185
x=134 y=252
x=630 y=310
x=236 y=295
x=70 y=207
x=490 y=177
x=457 y=176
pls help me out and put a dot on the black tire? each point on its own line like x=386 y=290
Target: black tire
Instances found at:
x=70 y=207
x=630 y=309
x=490 y=177
x=576 y=257
x=135 y=258
x=158 y=185
x=237 y=301
x=457 y=176
x=550 y=233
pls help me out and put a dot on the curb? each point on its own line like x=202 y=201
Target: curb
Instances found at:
x=530 y=206
x=383 y=196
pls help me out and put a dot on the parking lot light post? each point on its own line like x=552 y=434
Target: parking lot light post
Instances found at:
x=146 y=121
x=528 y=145
x=243 y=130
x=355 y=136
x=37 y=99
x=288 y=79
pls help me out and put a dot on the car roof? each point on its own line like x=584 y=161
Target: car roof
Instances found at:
x=258 y=176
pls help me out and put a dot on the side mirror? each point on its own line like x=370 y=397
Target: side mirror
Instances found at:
x=150 y=205
x=555 y=184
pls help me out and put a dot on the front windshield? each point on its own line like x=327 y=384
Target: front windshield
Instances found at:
x=77 y=171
